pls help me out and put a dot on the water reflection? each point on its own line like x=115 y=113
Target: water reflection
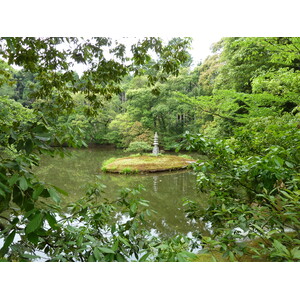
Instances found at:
x=155 y=180
x=164 y=191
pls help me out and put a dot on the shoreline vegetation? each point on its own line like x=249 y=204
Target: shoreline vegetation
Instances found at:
x=146 y=164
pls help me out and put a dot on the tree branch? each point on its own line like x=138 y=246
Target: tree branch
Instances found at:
x=216 y=114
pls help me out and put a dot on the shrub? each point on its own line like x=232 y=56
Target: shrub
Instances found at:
x=138 y=147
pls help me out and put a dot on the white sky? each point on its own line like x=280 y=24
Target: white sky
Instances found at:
x=201 y=46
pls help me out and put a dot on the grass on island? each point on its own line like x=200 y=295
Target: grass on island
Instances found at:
x=146 y=163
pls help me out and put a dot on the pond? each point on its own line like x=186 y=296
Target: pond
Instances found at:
x=164 y=191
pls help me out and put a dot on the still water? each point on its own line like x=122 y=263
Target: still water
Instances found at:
x=164 y=191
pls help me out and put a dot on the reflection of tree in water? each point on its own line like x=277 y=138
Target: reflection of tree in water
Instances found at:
x=175 y=188
x=155 y=181
x=164 y=191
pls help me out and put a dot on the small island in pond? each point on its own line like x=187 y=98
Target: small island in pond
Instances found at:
x=146 y=163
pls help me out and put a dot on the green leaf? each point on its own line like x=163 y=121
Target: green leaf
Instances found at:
x=106 y=250
x=270 y=233
x=33 y=238
x=133 y=208
x=279 y=247
x=91 y=258
x=90 y=238
x=7 y=242
x=51 y=220
x=231 y=256
x=258 y=228
x=115 y=245
x=29 y=256
x=120 y=257
x=79 y=240
x=28 y=146
x=60 y=190
x=278 y=161
x=181 y=257
x=4 y=188
x=162 y=246
x=295 y=253
x=43 y=138
x=34 y=224
x=17 y=196
x=290 y=165
x=124 y=241
x=23 y=183
x=97 y=254
x=144 y=257
x=286 y=194
x=189 y=254
x=54 y=195
x=37 y=192
x=13 y=179
x=2 y=193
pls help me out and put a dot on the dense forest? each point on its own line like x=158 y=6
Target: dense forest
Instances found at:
x=240 y=108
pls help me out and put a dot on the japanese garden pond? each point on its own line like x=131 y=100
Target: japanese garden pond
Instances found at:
x=165 y=191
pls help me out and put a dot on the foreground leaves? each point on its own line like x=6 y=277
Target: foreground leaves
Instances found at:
x=92 y=229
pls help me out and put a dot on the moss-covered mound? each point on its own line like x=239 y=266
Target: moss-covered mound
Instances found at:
x=146 y=163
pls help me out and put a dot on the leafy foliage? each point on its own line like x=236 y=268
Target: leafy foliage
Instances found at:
x=91 y=230
x=240 y=108
x=253 y=181
x=139 y=147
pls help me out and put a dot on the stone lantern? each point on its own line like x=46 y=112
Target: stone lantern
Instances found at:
x=155 y=150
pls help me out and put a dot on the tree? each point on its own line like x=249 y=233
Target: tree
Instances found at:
x=7 y=85
x=208 y=73
x=250 y=135
x=164 y=113
x=23 y=139
x=244 y=58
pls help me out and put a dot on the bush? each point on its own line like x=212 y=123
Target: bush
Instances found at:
x=252 y=197
x=139 y=147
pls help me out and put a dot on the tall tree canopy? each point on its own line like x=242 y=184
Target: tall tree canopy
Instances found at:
x=51 y=60
x=243 y=59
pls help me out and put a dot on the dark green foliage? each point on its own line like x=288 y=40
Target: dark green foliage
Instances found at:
x=30 y=211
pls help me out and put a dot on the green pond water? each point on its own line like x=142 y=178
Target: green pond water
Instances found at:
x=164 y=191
